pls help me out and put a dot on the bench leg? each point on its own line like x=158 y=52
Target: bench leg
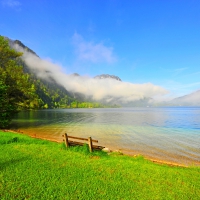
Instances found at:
x=90 y=144
x=66 y=140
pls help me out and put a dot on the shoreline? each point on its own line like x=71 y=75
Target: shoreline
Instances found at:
x=127 y=152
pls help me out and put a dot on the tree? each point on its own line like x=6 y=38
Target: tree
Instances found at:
x=15 y=89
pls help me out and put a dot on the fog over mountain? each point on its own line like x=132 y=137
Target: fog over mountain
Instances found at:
x=107 y=89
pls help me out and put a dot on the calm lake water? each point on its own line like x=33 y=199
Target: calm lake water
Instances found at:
x=169 y=134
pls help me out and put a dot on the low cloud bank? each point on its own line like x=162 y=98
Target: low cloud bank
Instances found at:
x=98 y=89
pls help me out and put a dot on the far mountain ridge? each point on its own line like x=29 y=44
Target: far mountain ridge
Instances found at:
x=105 y=76
x=102 y=76
x=192 y=99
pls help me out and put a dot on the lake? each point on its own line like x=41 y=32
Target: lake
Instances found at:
x=169 y=134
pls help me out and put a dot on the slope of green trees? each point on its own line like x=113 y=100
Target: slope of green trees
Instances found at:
x=16 y=90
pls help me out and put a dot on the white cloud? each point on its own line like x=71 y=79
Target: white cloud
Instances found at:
x=89 y=51
x=11 y=3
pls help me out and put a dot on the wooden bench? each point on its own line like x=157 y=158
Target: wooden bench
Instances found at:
x=90 y=141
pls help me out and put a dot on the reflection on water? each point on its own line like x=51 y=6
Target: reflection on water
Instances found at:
x=171 y=134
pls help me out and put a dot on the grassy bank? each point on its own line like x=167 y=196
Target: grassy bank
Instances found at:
x=38 y=169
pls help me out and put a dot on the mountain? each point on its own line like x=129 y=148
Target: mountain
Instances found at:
x=12 y=43
x=75 y=74
x=192 y=99
x=105 y=76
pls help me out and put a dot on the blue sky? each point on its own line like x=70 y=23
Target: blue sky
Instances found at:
x=141 y=41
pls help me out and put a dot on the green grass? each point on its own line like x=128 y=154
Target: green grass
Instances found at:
x=38 y=169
